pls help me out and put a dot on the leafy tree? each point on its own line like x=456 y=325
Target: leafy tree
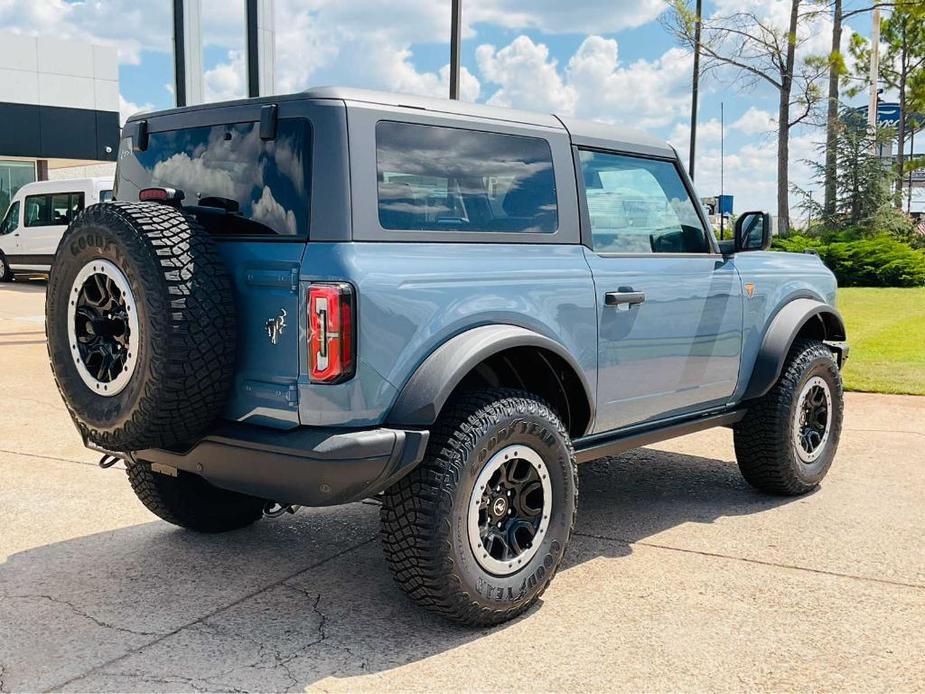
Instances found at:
x=902 y=68
x=762 y=52
x=837 y=70
x=861 y=183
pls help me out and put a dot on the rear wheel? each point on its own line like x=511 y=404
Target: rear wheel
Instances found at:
x=189 y=501
x=787 y=440
x=478 y=530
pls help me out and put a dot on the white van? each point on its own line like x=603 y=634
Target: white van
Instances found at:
x=37 y=218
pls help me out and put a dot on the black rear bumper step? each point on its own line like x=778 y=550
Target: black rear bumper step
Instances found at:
x=311 y=466
x=588 y=448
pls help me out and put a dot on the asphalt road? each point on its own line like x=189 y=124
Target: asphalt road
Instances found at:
x=679 y=577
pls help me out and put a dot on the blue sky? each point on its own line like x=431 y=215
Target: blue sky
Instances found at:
x=604 y=59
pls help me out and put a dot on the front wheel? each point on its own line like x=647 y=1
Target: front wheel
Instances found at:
x=6 y=273
x=478 y=530
x=787 y=440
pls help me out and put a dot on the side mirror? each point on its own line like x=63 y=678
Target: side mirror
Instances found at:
x=752 y=232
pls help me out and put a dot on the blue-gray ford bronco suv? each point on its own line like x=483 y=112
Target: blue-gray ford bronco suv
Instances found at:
x=321 y=298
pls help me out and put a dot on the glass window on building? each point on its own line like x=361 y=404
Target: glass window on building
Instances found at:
x=13 y=176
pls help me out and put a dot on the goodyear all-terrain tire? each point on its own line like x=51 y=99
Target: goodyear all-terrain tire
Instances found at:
x=189 y=501
x=141 y=326
x=787 y=441
x=477 y=531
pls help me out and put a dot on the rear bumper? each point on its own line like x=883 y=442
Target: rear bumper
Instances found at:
x=310 y=466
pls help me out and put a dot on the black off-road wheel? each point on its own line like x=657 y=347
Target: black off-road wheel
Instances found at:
x=6 y=273
x=189 y=501
x=140 y=323
x=477 y=531
x=787 y=441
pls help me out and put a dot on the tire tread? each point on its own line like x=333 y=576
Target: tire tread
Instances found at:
x=762 y=442
x=415 y=511
x=192 y=315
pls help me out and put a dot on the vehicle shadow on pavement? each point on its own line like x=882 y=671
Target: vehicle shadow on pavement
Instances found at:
x=289 y=602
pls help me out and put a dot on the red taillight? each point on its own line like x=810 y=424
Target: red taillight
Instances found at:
x=171 y=195
x=330 y=332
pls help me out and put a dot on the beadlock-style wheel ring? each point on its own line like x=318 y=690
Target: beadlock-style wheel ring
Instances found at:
x=509 y=510
x=813 y=419
x=102 y=327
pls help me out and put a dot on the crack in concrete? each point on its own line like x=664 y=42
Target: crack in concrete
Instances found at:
x=82 y=613
x=887 y=431
x=762 y=562
x=49 y=457
x=267 y=657
x=283 y=662
x=324 y=636
x=2 y=672
x=190 y=682
x=263 y=652
x=200 y=620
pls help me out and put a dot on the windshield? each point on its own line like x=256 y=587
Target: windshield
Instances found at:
x=11 y=219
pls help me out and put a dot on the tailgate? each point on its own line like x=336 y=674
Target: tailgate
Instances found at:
x=265 y=276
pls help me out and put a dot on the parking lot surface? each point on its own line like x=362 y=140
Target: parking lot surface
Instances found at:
x=679 y=576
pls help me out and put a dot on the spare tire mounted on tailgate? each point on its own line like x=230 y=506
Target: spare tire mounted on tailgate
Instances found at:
x=141 y=327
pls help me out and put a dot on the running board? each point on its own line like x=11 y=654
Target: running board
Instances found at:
x=589 y=448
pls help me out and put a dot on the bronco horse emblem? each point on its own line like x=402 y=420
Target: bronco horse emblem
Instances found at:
x=275 y=326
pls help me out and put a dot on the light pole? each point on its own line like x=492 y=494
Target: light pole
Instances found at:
x=455 y=32
x=874 y=73
x=695 y=89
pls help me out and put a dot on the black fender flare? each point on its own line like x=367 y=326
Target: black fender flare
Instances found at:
x=422 y=397
x=781 y=333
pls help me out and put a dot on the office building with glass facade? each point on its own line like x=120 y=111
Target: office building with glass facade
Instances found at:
x=59 y=111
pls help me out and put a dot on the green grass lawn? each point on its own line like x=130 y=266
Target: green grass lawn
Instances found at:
x=886 y=331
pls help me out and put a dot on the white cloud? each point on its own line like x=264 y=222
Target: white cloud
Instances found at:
x=527 y=76
x=755 y=121
x=594 y=83
x=814 y=34
x=709 y=131
x=336 y=38
x=226 y=80
x=558 y=17
x=129 y=108
x=125 y=24
x=750 y=170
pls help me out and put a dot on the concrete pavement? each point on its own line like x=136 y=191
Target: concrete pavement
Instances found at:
x=680 y=577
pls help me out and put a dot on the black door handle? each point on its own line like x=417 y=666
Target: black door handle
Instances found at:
x=624 y=297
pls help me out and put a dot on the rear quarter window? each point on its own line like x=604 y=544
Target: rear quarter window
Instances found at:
x=436 y=178
x=236 y=183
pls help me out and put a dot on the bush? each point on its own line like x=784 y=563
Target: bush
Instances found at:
x=878 y=261
x=798 y=244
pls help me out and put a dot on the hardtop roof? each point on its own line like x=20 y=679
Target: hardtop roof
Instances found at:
x=583 y=132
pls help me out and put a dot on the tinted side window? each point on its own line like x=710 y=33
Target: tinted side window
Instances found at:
x=11 y=220
x=38 y=211
x=449 y=179
x=235 y=183
x=639 y=205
